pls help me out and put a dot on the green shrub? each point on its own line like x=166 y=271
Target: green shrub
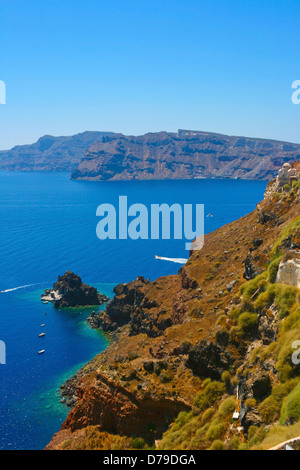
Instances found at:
x=285 y=298
x=137 y=443
x=273 y=269
x=268 y=351
x=270 y=408
x=207 y=416
x=209 y=396
x=252 y=431
x=251 y=287
x=247 y=321
x=258 y=436
x=265 y=299
x=235 y=443
x=235 y=313
x=182 y=418
x=292 y=322
x=217 y=445
x=226 y=377
x=206 y=382
x=296 y=185
x=286 y=369
x=215 y=430
x=291 y=406
x=288 y=230
x=250 y=403
x=227 y=407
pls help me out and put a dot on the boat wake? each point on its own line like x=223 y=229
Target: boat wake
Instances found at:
x=173 y=260
x=21 y=287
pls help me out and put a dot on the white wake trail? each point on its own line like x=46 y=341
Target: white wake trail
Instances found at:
x=173 y=260
x=21 y=287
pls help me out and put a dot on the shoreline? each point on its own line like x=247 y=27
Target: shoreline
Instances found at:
x=68 y=390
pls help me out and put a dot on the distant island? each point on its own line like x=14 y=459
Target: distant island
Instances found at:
x=106 y=156
x=50 y=153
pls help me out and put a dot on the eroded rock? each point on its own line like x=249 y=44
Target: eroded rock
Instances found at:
x=70 y=291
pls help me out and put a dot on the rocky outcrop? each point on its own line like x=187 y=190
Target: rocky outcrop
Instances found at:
x=183 y=155
x=251 y=270
x=115 y=409
x=132 y=306
x=208 y=359
x=69 y=291
x=50 y=153
x=119 y=310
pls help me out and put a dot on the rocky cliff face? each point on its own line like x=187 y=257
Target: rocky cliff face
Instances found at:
x=213 y=340
x=50 y=153
x=165 y=155
x=70 y=291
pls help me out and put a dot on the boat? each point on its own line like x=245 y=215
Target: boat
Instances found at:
x=42 y=334
x=45 y=301
x=41 y=352
x=43 y=324
x=209 y=215
x=157 y=257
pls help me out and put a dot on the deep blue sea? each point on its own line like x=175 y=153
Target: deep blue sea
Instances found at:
x=48 y=226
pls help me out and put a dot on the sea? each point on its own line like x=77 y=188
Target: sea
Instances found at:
x=48 y=226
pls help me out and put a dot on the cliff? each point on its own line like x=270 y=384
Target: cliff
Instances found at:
x=184 y=155
x=201 y=359
x=49 y=153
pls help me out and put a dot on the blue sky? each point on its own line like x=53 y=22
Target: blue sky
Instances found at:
x=136 y=66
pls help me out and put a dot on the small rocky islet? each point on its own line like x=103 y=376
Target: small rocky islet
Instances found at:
x=70 y=291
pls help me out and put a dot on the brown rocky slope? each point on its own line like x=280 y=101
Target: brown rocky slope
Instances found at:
x=188 y=343
x=184 y=155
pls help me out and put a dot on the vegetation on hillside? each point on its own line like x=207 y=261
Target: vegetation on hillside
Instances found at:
x=210 y=425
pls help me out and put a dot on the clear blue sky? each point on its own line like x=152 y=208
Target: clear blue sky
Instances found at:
x=137 y=66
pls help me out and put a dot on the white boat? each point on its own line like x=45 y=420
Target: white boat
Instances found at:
x=45 y=301
x=41 y=352
x=42 y=334
x=42 y=326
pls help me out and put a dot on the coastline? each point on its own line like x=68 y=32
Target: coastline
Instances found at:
x=68 y=390
x=67 y=344
x=166 y=345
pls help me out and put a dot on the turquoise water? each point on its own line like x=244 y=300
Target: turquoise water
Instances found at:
x=48 y=225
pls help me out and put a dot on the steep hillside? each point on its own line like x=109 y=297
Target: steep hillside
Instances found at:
x=50 y=153
x=184 y=155
x=191 y=349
